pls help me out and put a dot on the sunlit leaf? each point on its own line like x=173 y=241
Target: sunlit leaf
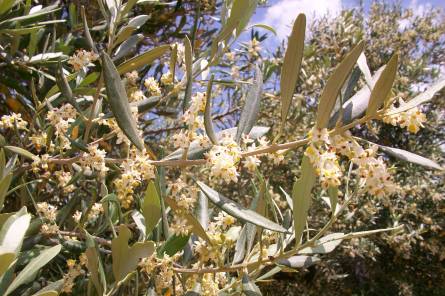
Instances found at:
x=151 y=208
x=30 y=271
x=324 y=245
x=301 y=197
x=382 y=87
x=126 y=258
x=421 y=98
x=249 y=287
x=237 y=210
x=291 y=64
x=299 y=261
x=334 y=84
x=411 y=157
x=251 y=107
x=118 y=100
x=143 y=59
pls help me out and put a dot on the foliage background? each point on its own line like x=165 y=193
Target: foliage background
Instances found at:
x=411 y=263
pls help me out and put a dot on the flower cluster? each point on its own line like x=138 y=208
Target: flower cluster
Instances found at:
x=411 y=119
x=61 y=118
x=135 y=169
x=49 y=213
x=152 y=86
x=12 y=121
x=82 y=59
x=223 y=159
x=323 y=158
x=94 y=160
x=74 y=270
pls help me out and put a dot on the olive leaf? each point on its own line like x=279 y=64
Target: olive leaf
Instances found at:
x=237 y=210
x=421 y=98
x=411 y=157
x=30 y=271
x=151 y=208
x=5 y=182
x=252 y=106
x=143 y=59
x=127 y=46
x=325 y=245
x=299 y=261
x=134 y=24
x=334 y=84
x=363 y=65
x=21 y=152
x=118 y=100
x=94 y=265
x=301 y=197
x=249 y=287
x=357 y=104
x=174 y=244
x=208 y=113
x=188 y=57
x=125 y=258
x=382 y=87
x=292 y=64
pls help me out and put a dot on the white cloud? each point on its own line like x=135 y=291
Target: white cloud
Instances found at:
x=420 y=9
x=281 y=15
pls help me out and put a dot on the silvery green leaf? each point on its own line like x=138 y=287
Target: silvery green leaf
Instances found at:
x=29 y=272
x=249 y=287
x=382 y=87
x=411 y=157
x=291 y=64
x=324 y=245
x=299 y=261
x=301 y=196
x=238 y=211
x=334 y=84
x=423 y=97
x=357 y=104
x=127 y=46
x=118 y=100
x=252 y=106
x=143 y=59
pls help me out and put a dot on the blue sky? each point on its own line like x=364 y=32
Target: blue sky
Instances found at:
x=280 y=14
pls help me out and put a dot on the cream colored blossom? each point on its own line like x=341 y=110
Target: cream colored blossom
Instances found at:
x=82 y=59
x=46 y=210
x=167 y=78
x=152 y=86
x=94 y=160
x=132 y=77
x=12 y=121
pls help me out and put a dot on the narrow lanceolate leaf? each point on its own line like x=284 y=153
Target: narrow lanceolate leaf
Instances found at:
x=383 y=86
x=423 y=97
x=13 y=232
x=325 y=245
x=357 y=104
x=291 y=64
x=411 y=157
x=252 y=107
x=237 y=210
x=126 y=258
x=118 y=100
x=334 y=84
x=62 y=82
x=87 y=31
x=173 y=245
x=208 y=125
x=363 y=65
x=299 y=261
x=249 y=287
x=4 y=185
x=301 y=197
x=188 y=57
x=94 y=265
x=30 y=271
x=151 y=209
x=143 y=59
x=21 y=152
x=333 y=198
